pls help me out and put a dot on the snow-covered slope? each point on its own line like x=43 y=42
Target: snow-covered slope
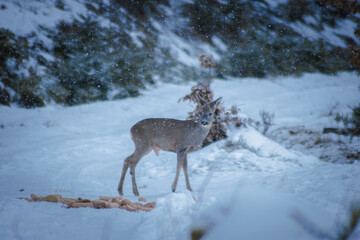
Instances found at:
x=118 y=49
x=254 y=191
x=26 y=17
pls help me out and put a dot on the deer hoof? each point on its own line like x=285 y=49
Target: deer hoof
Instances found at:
x=120 y=192
x=136 y=192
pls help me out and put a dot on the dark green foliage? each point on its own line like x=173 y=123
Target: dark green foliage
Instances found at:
x=60 y=4
x=89 y=61
x=346 y=6
x=15 y=74
x=295 y=10
x=92 y=60
x=4 y=97
x=140 y=8
x=13 y=48
x=29 y=100
x=113 y=52
x=355 y=120
x=260 y=45
x=79 y=48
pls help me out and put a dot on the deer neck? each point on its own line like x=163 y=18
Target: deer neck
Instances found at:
x=203 y=130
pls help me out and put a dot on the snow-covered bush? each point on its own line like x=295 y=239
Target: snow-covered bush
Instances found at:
x=240 y=143
x=350 y=122
x=266 y=120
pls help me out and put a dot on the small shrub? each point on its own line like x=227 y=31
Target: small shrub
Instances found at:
x=207 y=62
x=231 y=145
x=351 y=122
x=267 y=120
x=355 y=120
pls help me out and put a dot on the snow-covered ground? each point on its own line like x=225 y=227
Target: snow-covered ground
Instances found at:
x=260 y=190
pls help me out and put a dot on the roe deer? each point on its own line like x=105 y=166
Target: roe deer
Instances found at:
x=169 y=135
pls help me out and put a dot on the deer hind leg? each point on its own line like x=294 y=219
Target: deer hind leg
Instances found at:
x=131 y=162
x=138 y=155
x=123 y=173
x=181 y=155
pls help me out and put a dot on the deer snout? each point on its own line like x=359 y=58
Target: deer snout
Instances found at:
x=204 y=123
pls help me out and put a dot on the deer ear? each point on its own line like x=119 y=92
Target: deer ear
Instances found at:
x=215 y=104
x=200 y=99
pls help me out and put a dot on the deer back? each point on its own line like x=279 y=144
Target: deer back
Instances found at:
x=168 y=134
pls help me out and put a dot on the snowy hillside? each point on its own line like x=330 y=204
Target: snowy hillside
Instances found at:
x=255 y=190
x=81 y=51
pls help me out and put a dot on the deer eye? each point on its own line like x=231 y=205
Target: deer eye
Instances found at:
x=210 y=114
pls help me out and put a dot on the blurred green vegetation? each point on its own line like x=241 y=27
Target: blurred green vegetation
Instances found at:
x=113 y=51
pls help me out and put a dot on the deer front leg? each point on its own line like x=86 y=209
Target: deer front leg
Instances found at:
x=185 y=168
x=134 y=186
x=181 y=155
